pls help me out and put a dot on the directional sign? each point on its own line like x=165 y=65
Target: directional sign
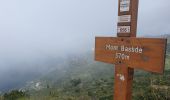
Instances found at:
x=142 y=53
x=129 y=53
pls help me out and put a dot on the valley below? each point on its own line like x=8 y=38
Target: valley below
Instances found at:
x=79 y=77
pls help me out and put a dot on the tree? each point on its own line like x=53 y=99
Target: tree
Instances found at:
x=14 y=95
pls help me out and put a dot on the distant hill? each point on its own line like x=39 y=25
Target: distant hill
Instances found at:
x=82 y=66
x=162 y=36
x=158 y=36
x=168 y=44
x=75 y=67
x=79 y=77
x=166 y=36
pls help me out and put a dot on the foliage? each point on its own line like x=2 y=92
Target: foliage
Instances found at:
x=168 y=48
x=152 y=87
x=14 y=95
x=146 y=86
x=75 y=82
x=88 y=80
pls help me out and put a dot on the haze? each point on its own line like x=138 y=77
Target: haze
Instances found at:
x=32 y=31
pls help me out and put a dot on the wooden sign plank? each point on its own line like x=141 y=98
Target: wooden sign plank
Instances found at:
x=142 y=53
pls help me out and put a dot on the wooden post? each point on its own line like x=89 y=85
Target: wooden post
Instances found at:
x=123 y=82
x=127 y=17
x=123 y=88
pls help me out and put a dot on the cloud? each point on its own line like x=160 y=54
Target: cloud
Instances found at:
x=153 y=17
x=32 y=30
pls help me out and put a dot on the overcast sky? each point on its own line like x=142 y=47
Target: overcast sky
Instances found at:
x=47 y=26
x=30 y=29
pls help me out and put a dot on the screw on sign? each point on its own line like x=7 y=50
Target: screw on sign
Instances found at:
x=128 y=52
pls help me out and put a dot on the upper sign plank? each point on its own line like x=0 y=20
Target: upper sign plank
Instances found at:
x=142 y=53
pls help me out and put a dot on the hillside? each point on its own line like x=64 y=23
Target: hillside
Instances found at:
x=79 y=77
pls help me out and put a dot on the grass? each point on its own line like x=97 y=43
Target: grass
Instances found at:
x=167 y=62
x=97 y=84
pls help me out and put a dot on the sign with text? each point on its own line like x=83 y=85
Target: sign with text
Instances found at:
x=124 y=18
x=129 y=53
x=124 y=5
x=123 y=29
x=142 y=53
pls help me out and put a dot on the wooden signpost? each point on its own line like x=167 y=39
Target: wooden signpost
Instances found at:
x=129 y=53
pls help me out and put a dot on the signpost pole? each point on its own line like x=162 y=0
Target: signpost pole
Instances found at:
x=128 y=52
x=123 y=74
x=123 y=82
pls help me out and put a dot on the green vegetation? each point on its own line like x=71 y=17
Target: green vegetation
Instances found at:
x=168 y=48
x=146 y=86
x=14 y=95
x=88 y=80
x=168 y=37
x=149 y=86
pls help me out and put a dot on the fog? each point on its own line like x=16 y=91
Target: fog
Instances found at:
x=34 y=31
